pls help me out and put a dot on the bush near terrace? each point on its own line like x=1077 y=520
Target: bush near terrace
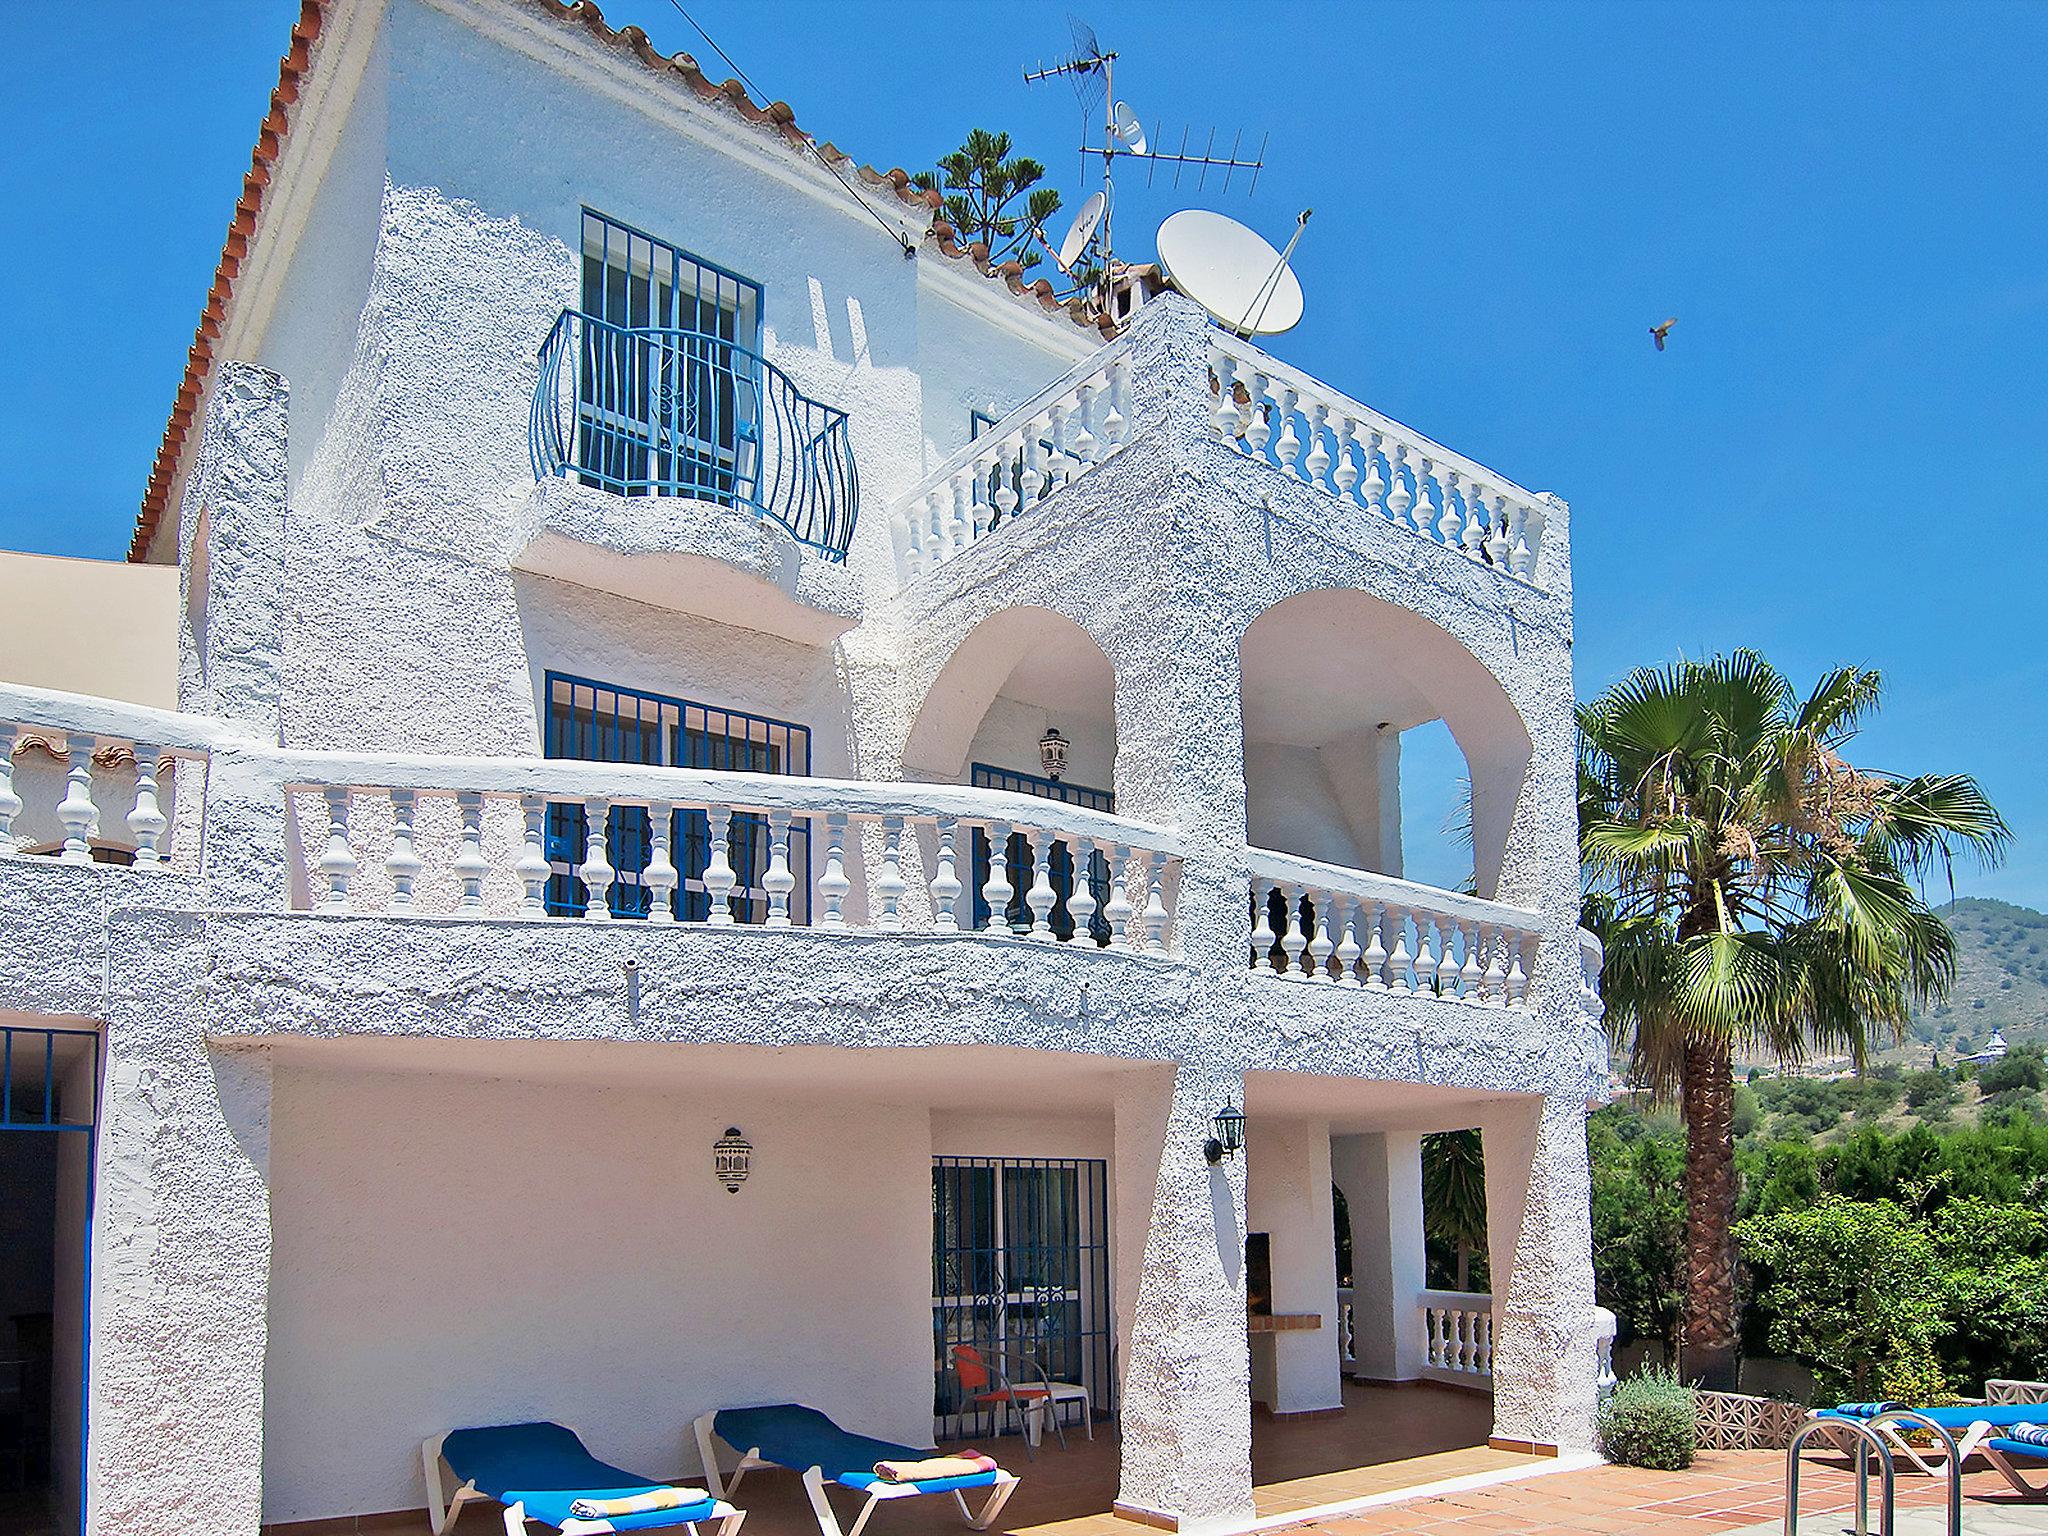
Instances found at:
x=1903 y=1254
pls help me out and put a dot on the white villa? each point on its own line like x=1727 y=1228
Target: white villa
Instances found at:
x=746 y=797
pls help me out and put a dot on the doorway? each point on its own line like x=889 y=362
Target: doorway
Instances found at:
x=49 y=1110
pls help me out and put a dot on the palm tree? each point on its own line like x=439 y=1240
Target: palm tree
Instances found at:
x=979 y=182
x=1454 y=1195
x=1754 y=890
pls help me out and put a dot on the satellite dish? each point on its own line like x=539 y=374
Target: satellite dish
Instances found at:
x=1128 y=130
x=1082 y=230
x=1230 y=271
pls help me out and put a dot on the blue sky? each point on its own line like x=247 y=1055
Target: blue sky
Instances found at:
x=1843 y=457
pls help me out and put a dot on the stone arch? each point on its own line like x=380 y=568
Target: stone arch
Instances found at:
x=1328 y=679
x=1017 y=671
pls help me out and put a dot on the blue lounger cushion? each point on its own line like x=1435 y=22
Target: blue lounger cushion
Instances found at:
x=1999 y=1414
x=546 y=1468
x=791 y=1435
x=2018 y=1447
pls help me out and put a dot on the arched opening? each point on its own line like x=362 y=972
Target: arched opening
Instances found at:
x=1337 y=689
x=1027 y=703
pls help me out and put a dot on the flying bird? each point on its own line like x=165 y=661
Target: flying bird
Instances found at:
x=1659 y=332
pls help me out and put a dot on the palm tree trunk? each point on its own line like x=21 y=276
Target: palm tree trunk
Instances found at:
x=1708 y=1346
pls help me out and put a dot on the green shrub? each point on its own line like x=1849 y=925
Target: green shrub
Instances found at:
x=1651 y=1420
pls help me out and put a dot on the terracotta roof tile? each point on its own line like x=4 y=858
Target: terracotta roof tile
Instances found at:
x=777 y=115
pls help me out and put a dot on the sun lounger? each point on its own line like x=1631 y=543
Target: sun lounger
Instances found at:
x=806 y=1441
x=536 y=1471
x=2002 y=1450
x=1973 y=1425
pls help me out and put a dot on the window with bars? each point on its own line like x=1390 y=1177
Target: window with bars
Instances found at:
x=1059 y=864
x=599 y=722
x=1020 y=1266
x=669 y=396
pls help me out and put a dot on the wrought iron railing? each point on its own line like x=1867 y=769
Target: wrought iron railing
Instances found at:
x=661 y=412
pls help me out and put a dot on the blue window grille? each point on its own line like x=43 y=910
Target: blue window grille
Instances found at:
x=598 y=722
x=1059 y=863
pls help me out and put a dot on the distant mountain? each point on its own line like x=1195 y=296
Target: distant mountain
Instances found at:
x=2001 y=979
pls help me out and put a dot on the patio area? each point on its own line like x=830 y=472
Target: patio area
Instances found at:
x=1386 y=1439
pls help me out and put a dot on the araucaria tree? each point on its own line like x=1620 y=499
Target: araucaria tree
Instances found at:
x=980 y=183
x=1755 y=891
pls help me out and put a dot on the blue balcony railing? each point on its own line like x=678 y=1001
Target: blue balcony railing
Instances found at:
x=642 y=412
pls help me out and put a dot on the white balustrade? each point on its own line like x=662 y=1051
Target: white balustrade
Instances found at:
x=1458 y=1333
x=770 y=851
x=1062 y=433
x=1605 y=1326
x=1326 y=925
x=1313 y=434
x=1591 y=957
x=91 y=781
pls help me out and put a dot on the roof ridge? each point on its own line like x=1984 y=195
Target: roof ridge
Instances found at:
x=777 y=116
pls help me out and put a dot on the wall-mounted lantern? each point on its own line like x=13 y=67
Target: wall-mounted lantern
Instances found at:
x=1229 y=1124
x=731 y=1155
x=1052 y=751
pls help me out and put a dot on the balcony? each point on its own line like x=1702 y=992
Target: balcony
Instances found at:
x=679 y=469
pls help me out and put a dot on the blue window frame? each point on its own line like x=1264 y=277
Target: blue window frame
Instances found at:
x=600 y=722
x=1059 y=864
x=670 y=387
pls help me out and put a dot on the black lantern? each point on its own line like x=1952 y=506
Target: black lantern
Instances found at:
x=1229 y=1135
x=730 y=1156
x=1052 y=751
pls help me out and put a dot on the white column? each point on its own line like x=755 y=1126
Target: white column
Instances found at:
x=1540 y=1249
x=1180 y=1303
x=1287 y=1197
x=1381 y=1176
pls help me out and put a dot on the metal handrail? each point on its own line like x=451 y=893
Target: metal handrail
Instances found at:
x=661 y=411
x=1953 y=1465
x=1860 y=1431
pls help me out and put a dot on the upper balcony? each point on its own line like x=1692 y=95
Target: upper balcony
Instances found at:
x=625 y=415
x=1363 y=462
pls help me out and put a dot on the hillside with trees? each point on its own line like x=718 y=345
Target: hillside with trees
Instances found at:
x=2001 y=979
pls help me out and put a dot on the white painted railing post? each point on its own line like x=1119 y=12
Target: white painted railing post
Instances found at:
x=946 y=886
x=832 y=881
x=1081 y=895
x=337 y=862
x=661 y=877
x=1155 y=903
x=471 y=867
x=779 y=881
x=1117 y=912
x=996 y=890
x=1041 y=898
x=76 y=811
x=533 y=869
x=719 y=878
x=889 y=883
x=403 y=863
x=596 y=868
x=147 y=822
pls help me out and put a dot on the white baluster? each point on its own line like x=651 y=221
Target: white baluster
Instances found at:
x=938 y=512
x=1058 y=470
x=1118 y=911
x=1495 y=985
x=403 y=863
x=903 y=535
x=779 y=880
x=1294 y=942
x=1374 y=490
x=596 y=868
x=1522 y=559
x=1375 y=952
x=1115 y=424
x=532 y=868
x=1425 y=954
x=1397 y=489
x=719 y=878
x=1447 y=962
x=1450 y=524
x=1347 y=947
x=1288 y=449
x=1435 y=1317
x=980 y=505
x=1155 y=903
x=1263 y=937
x=946 y=885
x=1317 y=464
x=1033 y=480
x=1006 y=492
x=1321 y=946
x=1398 y=979
x=78 y=815
x=1259 y=432
x=10 y=802
x=1474 y=537
x=1084 y=440
x=1041 y=898
x=1345 y=476
x=1494 y=513
x=147 y=821
x=961 y=529
x=1471 y=973
x=889 y=883
x=1224 y=418
x=337 y=862
x=1081 y=899
x=996 y=890
x=661 y=877
x=832 y=881
x=1518 y=978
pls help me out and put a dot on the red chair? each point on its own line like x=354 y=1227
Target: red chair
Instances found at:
x=986 y=1384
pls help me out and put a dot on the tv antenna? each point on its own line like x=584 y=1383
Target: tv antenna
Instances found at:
x=1091 y=69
